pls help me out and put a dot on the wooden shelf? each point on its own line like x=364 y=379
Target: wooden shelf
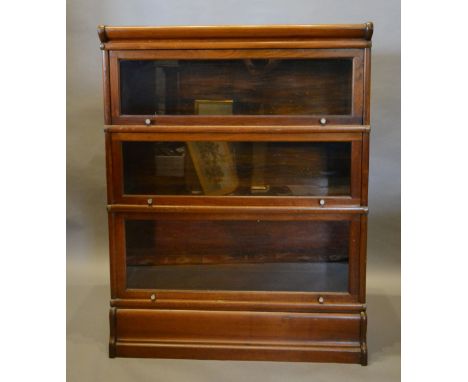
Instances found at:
x=288 y=277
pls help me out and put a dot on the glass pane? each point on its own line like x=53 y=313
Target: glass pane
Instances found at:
x=237 y=255
x=237 y=168
x=246 y=87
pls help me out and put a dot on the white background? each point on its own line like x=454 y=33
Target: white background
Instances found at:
x=434 y=183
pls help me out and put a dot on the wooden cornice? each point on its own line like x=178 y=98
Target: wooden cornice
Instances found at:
x=225 y=37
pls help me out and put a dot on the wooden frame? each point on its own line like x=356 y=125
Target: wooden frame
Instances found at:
x=184 y=308
x=229 y=213
x=272 y=336
x=357 y=88
x=236 y=37
x=198 y=133
x=217 y=324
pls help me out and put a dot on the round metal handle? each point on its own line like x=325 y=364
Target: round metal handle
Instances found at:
x=150 y=202
x=321 y=300
x=153 y=297
x=323 y=121
x=322 y=202
x=147 y=121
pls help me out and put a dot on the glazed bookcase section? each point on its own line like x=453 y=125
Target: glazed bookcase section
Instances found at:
x=237 y=86
x=271 y=168
x=232 y=249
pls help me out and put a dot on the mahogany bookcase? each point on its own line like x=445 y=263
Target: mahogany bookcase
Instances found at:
x=237 y=172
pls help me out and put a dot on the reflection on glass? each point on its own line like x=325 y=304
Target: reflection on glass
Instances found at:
x=237 y=168
x=237 y=255
x=253 y=87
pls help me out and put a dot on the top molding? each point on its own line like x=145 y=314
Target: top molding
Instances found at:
x=238 y=36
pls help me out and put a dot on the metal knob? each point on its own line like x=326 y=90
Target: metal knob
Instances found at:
x=147 y=121
x=321 y=300
x=322 y=202
x=153 y=297
x=150 y=202
x=323 y=121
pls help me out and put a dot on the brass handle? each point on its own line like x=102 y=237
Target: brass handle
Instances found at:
x=153 y=297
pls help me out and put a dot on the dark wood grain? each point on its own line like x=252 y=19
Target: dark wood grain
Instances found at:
x=365 y=168
x=285 y=136
x=113 y=255
x=260 y=327
x=236 y=129
x=109 y=167
x=319 y=337
x=236 y=120
x=353 y=255
x=356 y=153
x=205 y=301
x=211 y=32
x=367 y=85
x=274 y=352
x=236 y=37
x=240 y=212
x=106 y=88
x=258 y=201
x=363 y=260
x=237 y=43
x=112 y=335
x=366 y=119
x=150 y=242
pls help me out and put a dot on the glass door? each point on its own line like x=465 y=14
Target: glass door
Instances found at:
x=167 y=167
x=237 y=168
x=303 y=85
x=235 y=252
x=236 y=87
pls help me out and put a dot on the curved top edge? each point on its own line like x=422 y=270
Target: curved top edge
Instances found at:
x=316 y=31
x=369 y=30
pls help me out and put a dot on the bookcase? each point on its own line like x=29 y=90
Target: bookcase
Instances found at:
x=237 y=165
